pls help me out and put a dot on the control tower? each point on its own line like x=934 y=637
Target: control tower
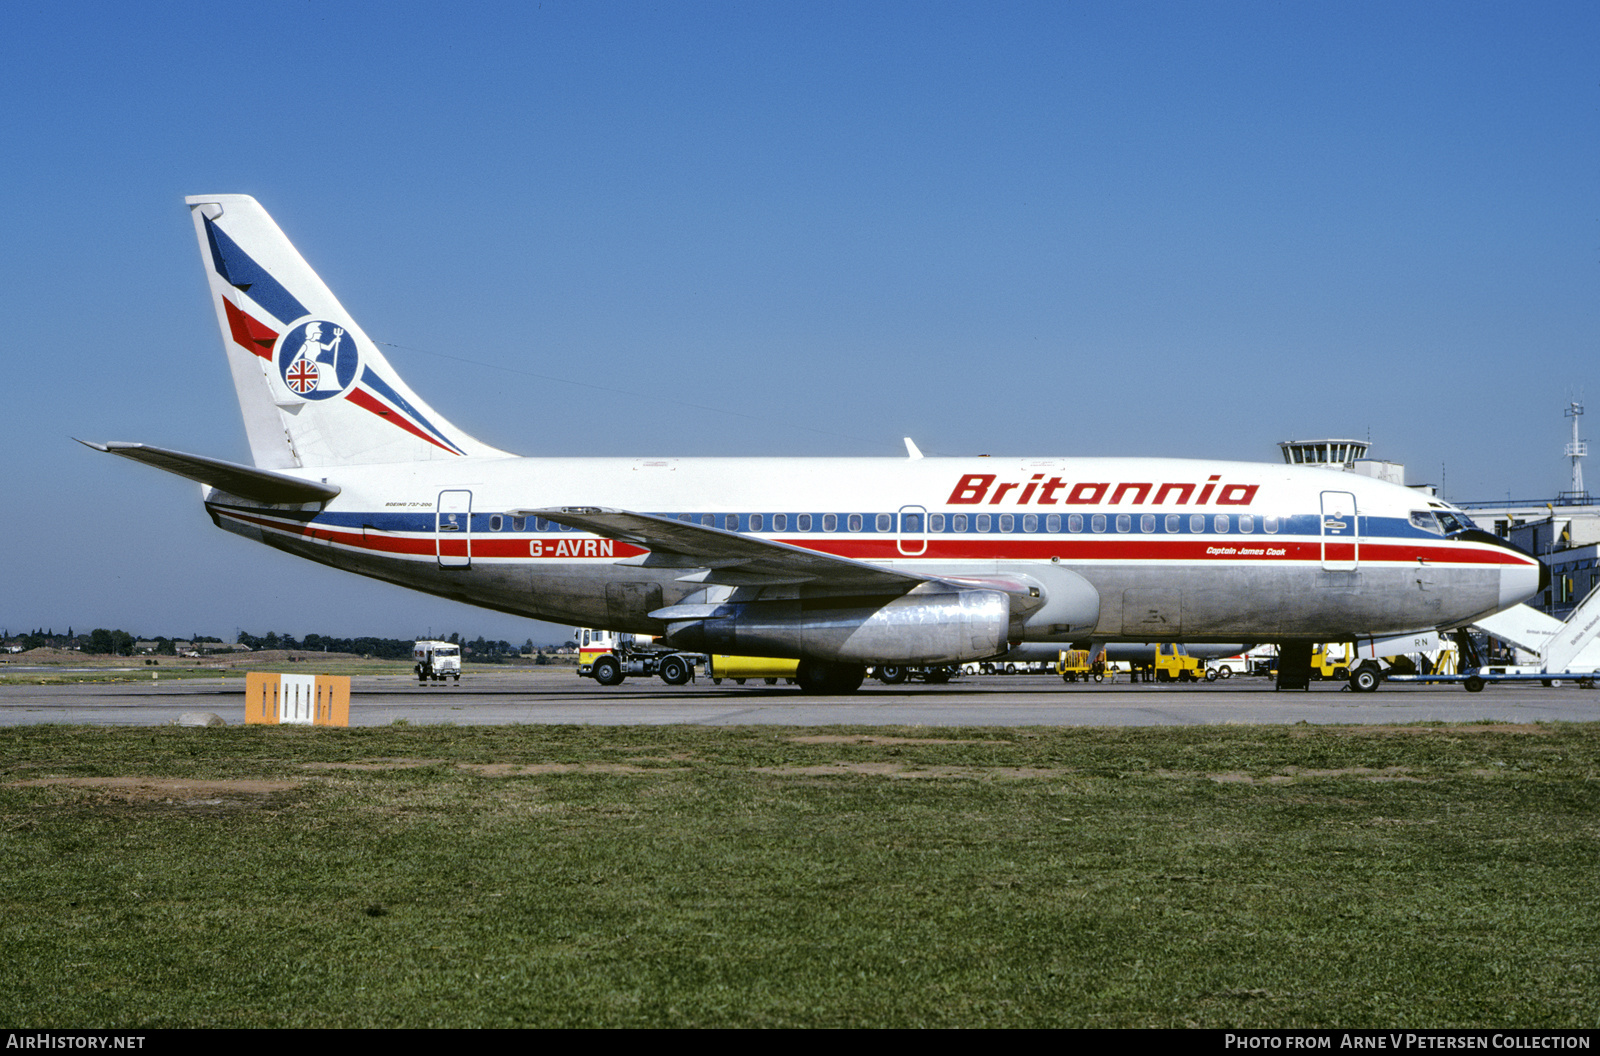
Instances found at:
x=1334 y=454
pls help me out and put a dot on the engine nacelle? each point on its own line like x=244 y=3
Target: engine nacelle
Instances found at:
x=930 y=625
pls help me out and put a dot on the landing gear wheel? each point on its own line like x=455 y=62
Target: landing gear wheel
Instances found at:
x=608 y=672
x=937 y=675
x=817 y=676
x=675 y=671
x=891 y=674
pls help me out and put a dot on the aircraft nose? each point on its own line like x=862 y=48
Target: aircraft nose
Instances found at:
x=1519 y=583
x=1524 y=580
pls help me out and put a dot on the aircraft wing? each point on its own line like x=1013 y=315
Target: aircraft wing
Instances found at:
x=248 y=482
x=712 y=555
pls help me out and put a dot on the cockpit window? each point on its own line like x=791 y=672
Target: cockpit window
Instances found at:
x=1425 y=520
x=1453 y=523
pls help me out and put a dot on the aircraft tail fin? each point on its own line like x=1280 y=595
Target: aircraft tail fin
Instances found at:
x=313 y=388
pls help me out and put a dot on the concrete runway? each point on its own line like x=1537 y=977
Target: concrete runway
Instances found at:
x=559 y=696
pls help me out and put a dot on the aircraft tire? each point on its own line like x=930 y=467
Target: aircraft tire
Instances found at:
x=937 y=675
x=817 y=676
x=608 y=672
x=675 y=671
x=891 y=674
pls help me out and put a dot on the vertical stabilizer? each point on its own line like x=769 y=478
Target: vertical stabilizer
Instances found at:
x=313 y=388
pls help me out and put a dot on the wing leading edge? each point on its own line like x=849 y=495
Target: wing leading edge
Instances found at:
x=713 y=555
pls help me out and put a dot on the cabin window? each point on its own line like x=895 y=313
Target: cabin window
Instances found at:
x=516 y=524
x=1097 y=523
x=709 y=520
x=1030 y=522
x=1052 y=522
x=1147 y=522
x=855 y=522
x=1247 y=523
x=1222 y=524
x=1197 y=522
x=1269 y=524
x=885 y=522
x=830 y=522
x=756 y=522
x=686 y=518
x=780 y=522
x=985 y=522
x=1124 y=522
x=495 y=522
x=1074 y=522
x=910 y=523
x=1174 y=522
x=802 y=522
x=935 y=522
x=730 y=521
x=958 y=522
x=1008 y=522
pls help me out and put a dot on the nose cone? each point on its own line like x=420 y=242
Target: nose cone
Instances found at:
x=1518 y=583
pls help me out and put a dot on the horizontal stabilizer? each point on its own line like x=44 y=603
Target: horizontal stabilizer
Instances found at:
x=244 y=481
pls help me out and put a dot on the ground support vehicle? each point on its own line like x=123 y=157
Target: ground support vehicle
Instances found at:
x=1074 y=665
x=436 y=661
x=609 y=658
x=1228 y=666
x=1169 y=662
x=743 y=668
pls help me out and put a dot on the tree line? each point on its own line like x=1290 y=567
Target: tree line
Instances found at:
x=107 y=642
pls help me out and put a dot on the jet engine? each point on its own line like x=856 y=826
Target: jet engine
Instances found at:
x=936 y=623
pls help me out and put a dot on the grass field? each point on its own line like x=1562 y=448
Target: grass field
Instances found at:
x=688 y=876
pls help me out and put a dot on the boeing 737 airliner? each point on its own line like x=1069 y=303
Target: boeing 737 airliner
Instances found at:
x=838 y=562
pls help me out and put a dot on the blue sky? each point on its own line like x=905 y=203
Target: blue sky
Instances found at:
x=809 y=228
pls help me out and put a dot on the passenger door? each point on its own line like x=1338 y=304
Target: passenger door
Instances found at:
x=1341 y=532
x=453 y=529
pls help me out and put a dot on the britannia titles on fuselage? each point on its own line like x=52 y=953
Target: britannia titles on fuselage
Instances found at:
x=981 y=488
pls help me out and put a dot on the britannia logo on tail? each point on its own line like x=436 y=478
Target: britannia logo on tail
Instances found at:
x=317 y=360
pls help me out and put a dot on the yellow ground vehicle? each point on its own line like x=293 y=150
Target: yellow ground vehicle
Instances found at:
x=1172 y=663
x=740 y=668
x=1074 y=665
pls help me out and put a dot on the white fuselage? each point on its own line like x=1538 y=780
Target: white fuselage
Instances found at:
x=1174 y=549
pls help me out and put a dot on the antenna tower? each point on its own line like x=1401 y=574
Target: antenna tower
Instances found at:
x=1576 y=450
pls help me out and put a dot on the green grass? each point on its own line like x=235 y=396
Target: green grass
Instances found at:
x=687 y=876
